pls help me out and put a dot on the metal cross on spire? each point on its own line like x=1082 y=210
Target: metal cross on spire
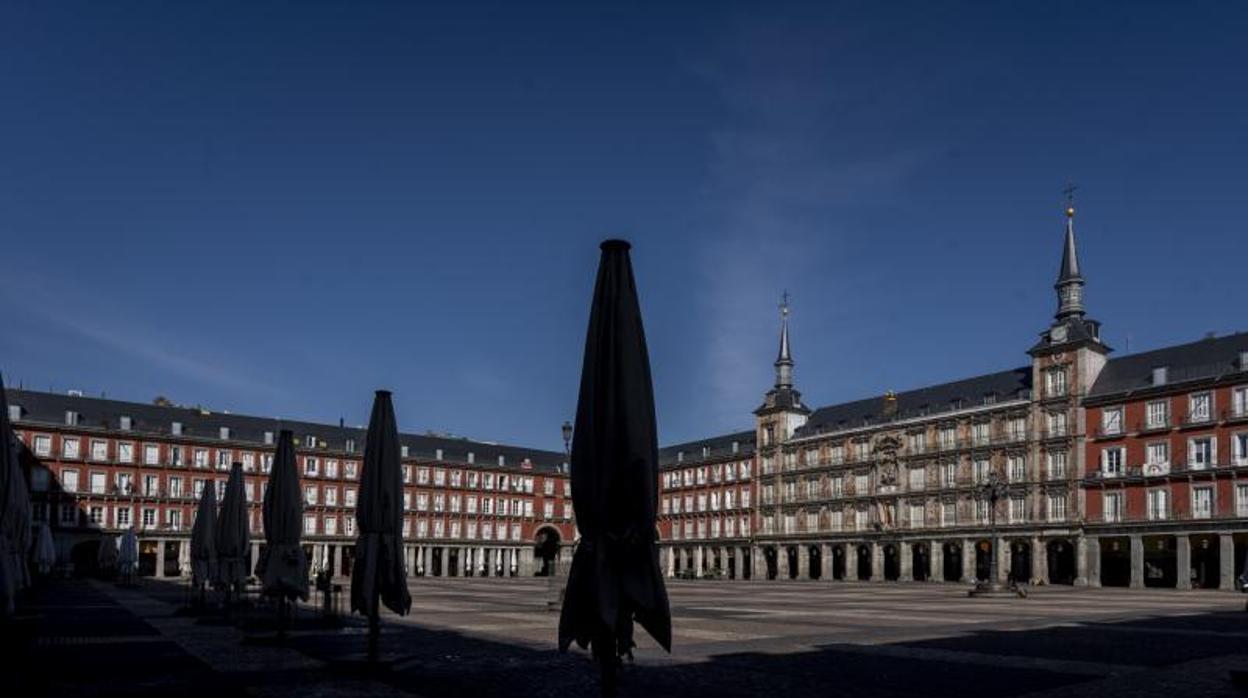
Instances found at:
x=784 y=303
x=1069 y=191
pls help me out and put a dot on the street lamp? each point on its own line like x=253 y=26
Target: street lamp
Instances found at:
x=555 y=586
x=994 y=490
x=567 y=440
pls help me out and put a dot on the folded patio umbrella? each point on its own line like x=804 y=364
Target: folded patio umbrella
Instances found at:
x=204 y=538
x=377 y=574
x=615 y=577
x=107 y=557
x=45 y=550
x=14 y=514
x=283 y=568
x=128 y=553
x=233 y=539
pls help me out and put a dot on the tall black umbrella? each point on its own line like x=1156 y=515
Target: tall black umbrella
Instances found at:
x=377 y=573
x=204 y=540
x=15 y=534
x=615 y=577
x=283 y=568
x=233 y=538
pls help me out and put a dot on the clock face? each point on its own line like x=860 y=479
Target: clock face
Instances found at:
x=1058 y=334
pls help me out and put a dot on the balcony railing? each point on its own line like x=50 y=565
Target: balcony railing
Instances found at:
x=1154 y=425
x=1235 y=414
x=1196 y=420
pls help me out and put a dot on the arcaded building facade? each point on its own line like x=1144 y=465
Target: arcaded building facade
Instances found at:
x=99 y=467
x=894 y=487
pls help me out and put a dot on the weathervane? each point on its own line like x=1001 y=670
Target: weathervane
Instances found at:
x=1069 y=191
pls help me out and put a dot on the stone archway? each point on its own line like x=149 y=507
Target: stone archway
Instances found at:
x=983 y=559
x=1020 y=562
x=952 y=556
x=546 y=550
x=1115 y=562
x=838 y=562
x=773 y=567
x=790 y=554
x=1206 y=562
x=1061 y=556
x=864 y=562
x=815 y=554
x=1161 y=562
x=892 y=563
x=921 y=562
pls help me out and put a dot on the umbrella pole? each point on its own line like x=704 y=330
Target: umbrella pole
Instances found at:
x=374 y=630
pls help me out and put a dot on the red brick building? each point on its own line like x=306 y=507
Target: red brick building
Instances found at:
x=1167 y=466
x=98 y=467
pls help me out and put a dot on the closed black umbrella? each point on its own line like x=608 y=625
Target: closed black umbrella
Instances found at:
x=233 y=539
x=15 y=533
x=377 y=573
x=204 y=539
x=615 y=576
x=283 y=569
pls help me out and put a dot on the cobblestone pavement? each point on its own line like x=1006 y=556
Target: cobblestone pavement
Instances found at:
x=476 y=637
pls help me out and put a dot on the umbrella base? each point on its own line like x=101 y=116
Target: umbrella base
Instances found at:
x=996 y=590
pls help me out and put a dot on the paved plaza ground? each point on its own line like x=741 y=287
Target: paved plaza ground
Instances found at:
x=479 y=637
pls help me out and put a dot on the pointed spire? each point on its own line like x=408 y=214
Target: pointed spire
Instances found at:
x=784 y=360
x=1069 y=284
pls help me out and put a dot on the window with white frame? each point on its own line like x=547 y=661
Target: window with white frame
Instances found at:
x=1111 y=421
x=1202 y=502
x=43 y=445
x=125 y=452
x=1241 y=500
x=348 y=497
x=1201 y=452
x=1239 y=448
x=1158 y=504
x=982 y=468
x=1055 y=382
x=99 y=482
x=949 y=474
x=331 y=496
x=948 y=514
x=1057 y=423
x=947 y=436
x=309 y=524
x=1016 y=429
x=69 y=480
x=1055 y=464
x=149 y=517
x=123 y=517
x=201 y=458
x=836 y=520
x=836 y=454
x=1017 y=467
x=311 y=466
x=349 y=469
x=348 y=526
x=331 y=468
x=1018 y=509
x=862 y=519
x=917 y=442
x=69 y=515
x=70 y=447
x=1157 y=453
x=979 y=433
x=1113 y=461
x=862 y=450
x=1113 y=506
x=1200 y=407
x=99 y=450
x=1157 y=414
x=1239 y=401
x=224 y=457
x=983 y=509
x=838 y=486
x=862 y=484
x=309 y=494
x=918 y=516
x=1056 y=506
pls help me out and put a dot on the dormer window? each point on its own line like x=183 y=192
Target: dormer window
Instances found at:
x=125 y=423
x=309 y=441
x=502 y=460
x=472 y=457
x=680 y=456
x=15 y=412
x=736 y=446
x=706 y=451
x=268 y=438
x=437 y=454
x=350 y=447
x=990 y=399
x=175 y=428
x=1160 y=375
x=225 y=433
x=403 y=451
x=71 y=418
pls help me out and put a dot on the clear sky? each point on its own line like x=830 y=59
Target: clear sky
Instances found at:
x=275 y=208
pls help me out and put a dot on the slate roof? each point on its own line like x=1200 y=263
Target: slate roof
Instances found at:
x=1207 y=359
x=99 y=413
x=718 y=447
x=928 y=401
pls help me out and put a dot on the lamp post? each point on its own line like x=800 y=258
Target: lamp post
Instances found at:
x=993 y=490
x=555 y=586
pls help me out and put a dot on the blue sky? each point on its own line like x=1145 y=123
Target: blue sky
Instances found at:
x=275 y=208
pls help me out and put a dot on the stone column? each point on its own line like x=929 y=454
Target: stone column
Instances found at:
x=1039 y=561
x=1002 y=551
x=1137 y=561
x=336 y=562
x=758 y=564
x=936 y=560
x=160 y=558
x=527 y=562
x=1183 y=561
x=428 y=561
x=738 y=562
x=184 y=558
x=1088 y=555
x=906 y=552
x=1226 y=560
x=825 y=562
x=803 y=561
x=697 y=562
x=482 y=568
x=512 y=565
x=849 y=553
x=968 y=560
x=877 y=562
